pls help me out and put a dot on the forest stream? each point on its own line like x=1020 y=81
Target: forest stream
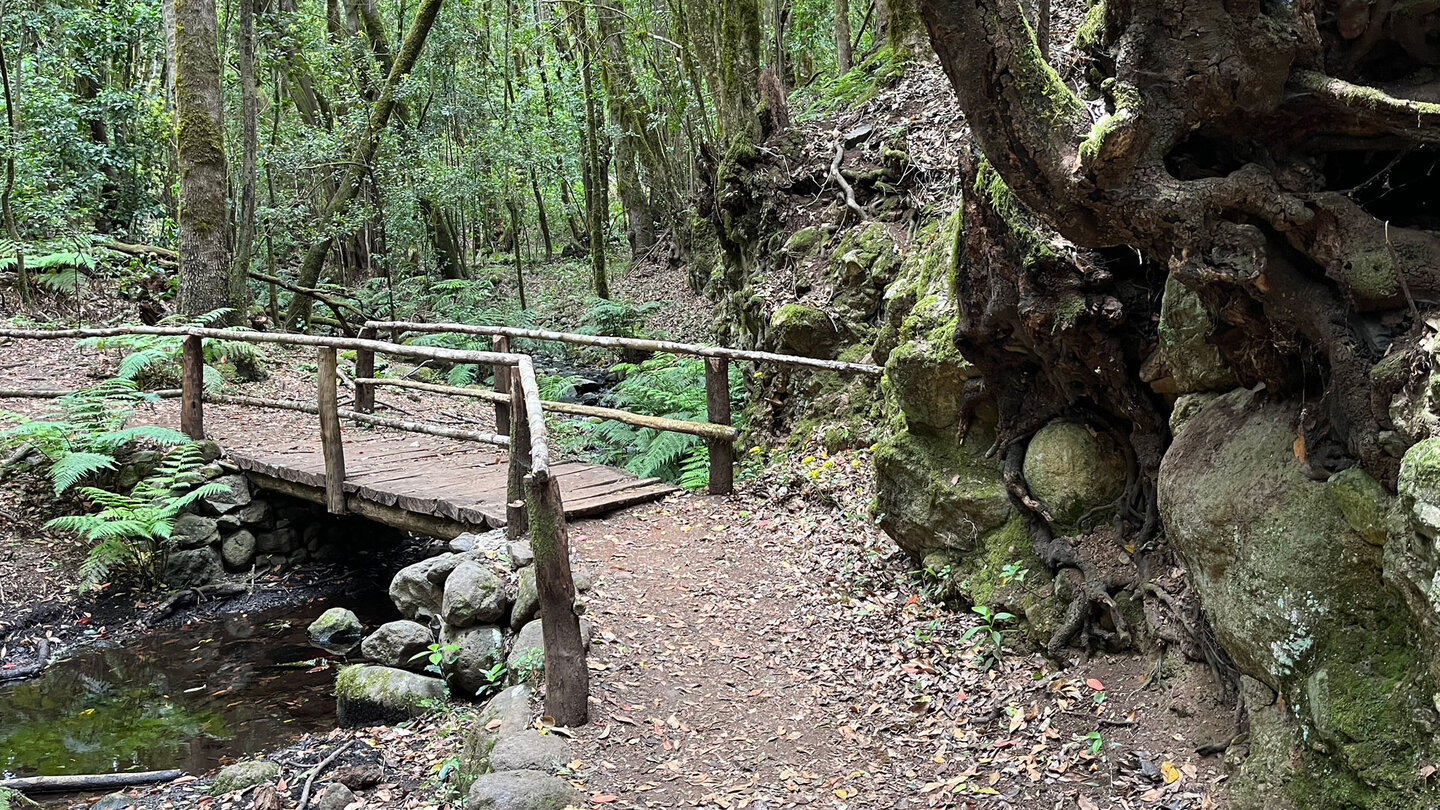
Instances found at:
x=188 y=698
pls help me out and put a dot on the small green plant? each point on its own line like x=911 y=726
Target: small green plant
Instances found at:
x=1013 y=572
x=437 y=657
x=132 y=531
x=992 y=638
x=1094 y=742
x=528 y=666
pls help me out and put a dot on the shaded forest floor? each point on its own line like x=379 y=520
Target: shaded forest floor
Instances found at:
x=773 y=650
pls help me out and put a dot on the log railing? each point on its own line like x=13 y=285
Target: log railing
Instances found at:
x=716 y=430
x=535 y=503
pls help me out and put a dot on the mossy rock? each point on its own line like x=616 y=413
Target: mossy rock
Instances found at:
x=244 y=775
x=1296 y=596
x=1184 y=348
x=1073 y=469
x=934 y=493
x=806 y=331
x=803 y=242
x=370 y=694
x=1363 y=501
x=926 y=381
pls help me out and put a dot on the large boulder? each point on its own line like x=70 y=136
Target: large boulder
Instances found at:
x=529 y=750
x=927 y=378
x=1071 y=469
x=806 y=331
x=473 y=594
x=418 y=590
x=190 y=568
x=235 y=494
x=473 y=666
x=243 y=775
x=1295 y=595
x=933 y=493
x=193 y=531
x=370 y=694
x=395 y=644
x=527 y=599
x=519 y=790
x=337 y=630
x=238 y=551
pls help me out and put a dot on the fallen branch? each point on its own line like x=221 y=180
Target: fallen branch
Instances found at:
x=324 y=763
x=336 y=306
x=191 y=596
x=77 y=783
x=42 y=657
x=164 y=255
x=843 y=183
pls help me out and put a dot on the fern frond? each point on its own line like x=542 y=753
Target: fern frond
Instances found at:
x=137 y=363
x=163 y=436
x=71 y=467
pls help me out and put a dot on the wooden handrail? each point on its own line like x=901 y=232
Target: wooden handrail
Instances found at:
x=283 y=338
x=641 y=344
x=707 y=430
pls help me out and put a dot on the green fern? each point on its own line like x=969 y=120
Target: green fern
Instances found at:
x=158 y=357
x=132 y=531
x=85 y=431
x=668 y=386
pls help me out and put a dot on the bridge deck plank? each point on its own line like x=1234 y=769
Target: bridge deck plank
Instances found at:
x=439 y=478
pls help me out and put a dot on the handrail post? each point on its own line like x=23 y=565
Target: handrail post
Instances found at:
x=517 y=516
x=567 y=679
x=192 y=387
x=717 y=408
x=330 y=441
x=365 y=368
x=502 y=386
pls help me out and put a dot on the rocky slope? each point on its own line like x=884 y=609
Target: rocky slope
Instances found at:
x=1318 y=584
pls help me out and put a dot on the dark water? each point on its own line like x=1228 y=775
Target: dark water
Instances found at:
x=177 y=698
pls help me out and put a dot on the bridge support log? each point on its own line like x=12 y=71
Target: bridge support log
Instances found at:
x=365 y=369
x=330 y=441
x=567 y=681
x=717 y=407
x=517 y=517
x=192 y=387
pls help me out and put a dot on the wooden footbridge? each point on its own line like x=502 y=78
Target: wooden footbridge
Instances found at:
x=429 y=485
x=435 y=479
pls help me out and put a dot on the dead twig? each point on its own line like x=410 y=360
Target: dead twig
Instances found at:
x=324 y=763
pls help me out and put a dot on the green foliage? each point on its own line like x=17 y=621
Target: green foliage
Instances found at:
x=86 y=431
x=617 y=317
x=437 y=656
x=668 y=386
x=988 y=630
x=158 y=358
x=131 y=532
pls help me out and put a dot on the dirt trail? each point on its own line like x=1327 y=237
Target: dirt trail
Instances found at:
x=750 y=654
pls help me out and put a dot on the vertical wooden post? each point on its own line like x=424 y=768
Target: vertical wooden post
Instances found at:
x=567 y=681
x=501 y=344
x=517 y=516
x=717 y=407
x=192 y=387
x=365 y=367
x=330 y=441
